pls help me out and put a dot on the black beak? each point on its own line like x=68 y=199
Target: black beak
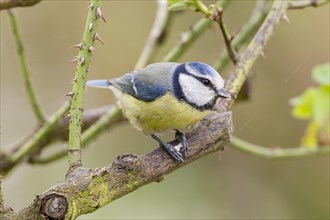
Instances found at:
x=223 y=93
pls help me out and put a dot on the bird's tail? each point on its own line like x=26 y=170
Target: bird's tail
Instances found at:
x=99 y=83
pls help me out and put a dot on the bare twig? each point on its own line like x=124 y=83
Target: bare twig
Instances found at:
x=306 y=3
x=9 y=160
x=218 y=17
x=58 y=132
x=25 y=70
x=278 y=153
x=257 y=16
x=7 y=4
x=111 y=117
x=238 y=78
x=250 y=55
x=157 y=34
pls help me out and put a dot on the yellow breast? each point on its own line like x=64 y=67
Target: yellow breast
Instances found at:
x=165 y=113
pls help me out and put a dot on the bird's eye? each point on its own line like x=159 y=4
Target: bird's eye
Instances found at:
x=206 y=82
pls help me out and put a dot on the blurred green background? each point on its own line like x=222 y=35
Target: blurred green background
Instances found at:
x=235 y=186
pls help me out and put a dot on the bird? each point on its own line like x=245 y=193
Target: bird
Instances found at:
x=167 y=96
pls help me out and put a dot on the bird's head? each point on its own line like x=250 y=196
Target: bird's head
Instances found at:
x=198 y=84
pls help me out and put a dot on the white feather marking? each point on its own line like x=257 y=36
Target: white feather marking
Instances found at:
x=133 y=83
x=194 y=91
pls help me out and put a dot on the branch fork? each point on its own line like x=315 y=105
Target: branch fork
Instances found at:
x=85 y=190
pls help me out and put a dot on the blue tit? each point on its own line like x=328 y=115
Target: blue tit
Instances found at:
x=167 y=96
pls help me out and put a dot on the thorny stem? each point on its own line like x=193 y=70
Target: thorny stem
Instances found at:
x=157 y=34
x=77 y=104
x=189 y=37
x=203 y=23
x=25 y=70
x=277 y=153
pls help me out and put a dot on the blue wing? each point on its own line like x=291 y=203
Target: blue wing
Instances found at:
x=147 y=84
x=142 y=88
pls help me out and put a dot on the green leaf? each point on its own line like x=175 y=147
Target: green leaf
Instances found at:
x=303 y=104
x=310 y=138
x=321 y=74
x=314 y=104
x=321 y=106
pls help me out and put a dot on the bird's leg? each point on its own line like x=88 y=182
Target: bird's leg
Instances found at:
x=169 y=148
x=181 y=137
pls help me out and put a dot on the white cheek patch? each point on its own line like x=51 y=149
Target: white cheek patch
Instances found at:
x=194 y=91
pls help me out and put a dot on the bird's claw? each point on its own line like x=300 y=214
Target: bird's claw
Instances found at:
x=183 y=140
x=173 y=152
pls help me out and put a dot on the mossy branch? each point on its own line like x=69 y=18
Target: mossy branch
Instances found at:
x=25 y=70
x=83 y=61
x=86 y=190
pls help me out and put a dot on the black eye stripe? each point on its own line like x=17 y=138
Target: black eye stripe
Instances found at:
x=209 y=82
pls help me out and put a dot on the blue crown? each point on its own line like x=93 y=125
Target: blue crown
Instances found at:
x=203 y=68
